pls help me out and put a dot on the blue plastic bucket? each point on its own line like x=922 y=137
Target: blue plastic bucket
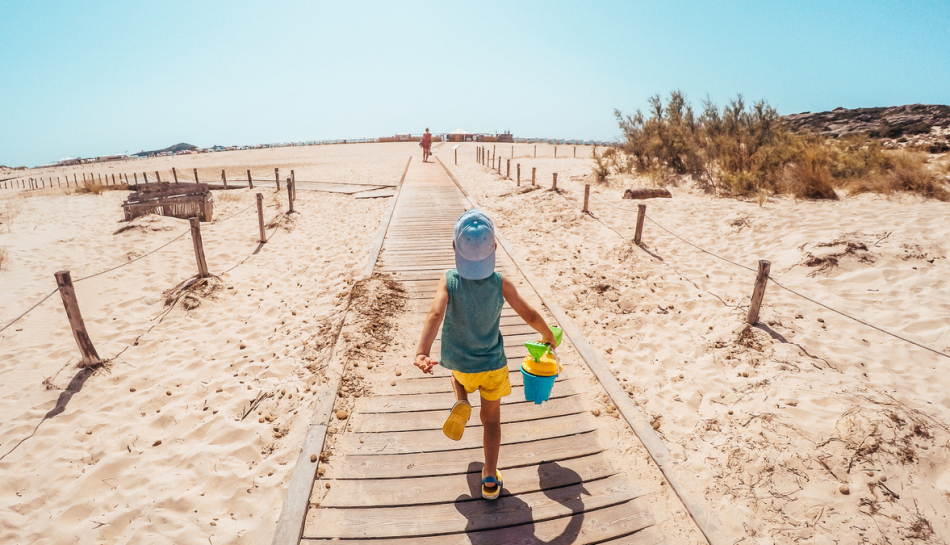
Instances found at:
x=537 y=389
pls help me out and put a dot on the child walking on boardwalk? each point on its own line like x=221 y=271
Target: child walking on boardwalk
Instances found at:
x=469 y=299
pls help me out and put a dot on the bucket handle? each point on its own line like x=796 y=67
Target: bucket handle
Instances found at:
x=557 y=360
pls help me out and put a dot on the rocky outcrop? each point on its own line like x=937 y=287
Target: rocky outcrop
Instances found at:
x=918 y=125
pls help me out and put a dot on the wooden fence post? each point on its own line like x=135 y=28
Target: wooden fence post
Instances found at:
x=145 y=177
x=555 y=152
x=512 y=151
x=175 y=174
x=90 y=357
x=456 y=155
x=586 y=197
x=758 y=294
x=518 y=173
x=136 y=178
x=293 y=183
x=260 y=215
x=224 y=178
x=641 y=214
x=75 y=183
x=533 y=170
x=250 y=182
x=508 y=169
x=535 y=151
x=290 y=195
x=199 y=248
x=554 y=185
x=158 y=177
x=575 y=152
x=277 y=178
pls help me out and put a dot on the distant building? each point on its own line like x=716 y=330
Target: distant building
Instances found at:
x=459 y=135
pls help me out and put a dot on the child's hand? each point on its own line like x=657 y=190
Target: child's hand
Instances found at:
x=549 y=338
x=425 y=363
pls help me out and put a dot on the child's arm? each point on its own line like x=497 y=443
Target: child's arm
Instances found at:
x=532 y=317
x=431 y=328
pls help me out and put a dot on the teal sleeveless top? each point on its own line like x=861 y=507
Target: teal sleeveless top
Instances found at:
x=471 y=338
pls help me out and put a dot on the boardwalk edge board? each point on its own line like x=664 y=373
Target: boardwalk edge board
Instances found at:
x=706 y=520
x=293 y=513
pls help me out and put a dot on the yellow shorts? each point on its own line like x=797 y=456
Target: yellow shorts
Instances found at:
x=491 y=385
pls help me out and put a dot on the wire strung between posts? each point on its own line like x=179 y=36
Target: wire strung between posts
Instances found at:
x=872 y=326
x=697 y=247
x=236 y=214
x=91 y=276
x=30 y=310
x=132 y=261
x=803 y=296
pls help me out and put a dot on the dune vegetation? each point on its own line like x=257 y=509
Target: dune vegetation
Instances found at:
x=742 y=150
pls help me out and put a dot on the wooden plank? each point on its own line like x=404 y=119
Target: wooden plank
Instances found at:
x=375 y=194
x=435 y=440
x=383 y=227
x=446 y=488
x=705 y=519
x=433 y=420
x=394 y=403
x=293 y=513
x=623 y=524
x=440 y=377
x=473 y=515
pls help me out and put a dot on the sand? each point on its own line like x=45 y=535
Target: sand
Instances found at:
x=766 y=431
x=156 y=447
x=768 y=423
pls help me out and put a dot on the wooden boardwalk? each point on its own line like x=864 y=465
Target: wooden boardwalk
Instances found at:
x=395 y=478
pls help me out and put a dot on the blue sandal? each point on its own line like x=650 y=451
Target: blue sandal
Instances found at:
x=491 y=486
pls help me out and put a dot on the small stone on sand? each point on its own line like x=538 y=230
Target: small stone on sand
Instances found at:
x=156 y=443
x=261 y=420
x=844 y=489
x=341 y=414
x=595 y=412
x=398 y=373
x=313 y=458
x=168 y=393
x=131 y=389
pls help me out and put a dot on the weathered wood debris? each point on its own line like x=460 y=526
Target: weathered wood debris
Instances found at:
x=170 y=199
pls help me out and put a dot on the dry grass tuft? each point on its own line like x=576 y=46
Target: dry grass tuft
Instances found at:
x=745 y=150
x=191 y=293
x=229 y=196
x=8 y=213
x=3 y=256
x=93 y=186
x=907 y=173
x=809 y=177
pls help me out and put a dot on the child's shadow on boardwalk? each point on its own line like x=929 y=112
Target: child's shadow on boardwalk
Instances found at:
x=509 y=519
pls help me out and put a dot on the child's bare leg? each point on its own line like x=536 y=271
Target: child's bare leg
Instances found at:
x=460 y=393
x=491 y=423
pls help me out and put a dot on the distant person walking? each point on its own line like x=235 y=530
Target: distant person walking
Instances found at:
x=426 y=146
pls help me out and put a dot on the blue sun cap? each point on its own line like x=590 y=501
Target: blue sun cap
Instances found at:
x=474 y=245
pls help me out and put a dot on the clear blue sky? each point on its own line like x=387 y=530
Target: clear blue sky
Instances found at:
x=99 y=77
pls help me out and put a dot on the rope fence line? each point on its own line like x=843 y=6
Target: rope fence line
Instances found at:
x=767 y=276
x=50 y=294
